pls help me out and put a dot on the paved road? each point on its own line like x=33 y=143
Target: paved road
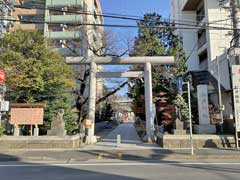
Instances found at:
x=127 y=132
x=117 y=171
x=129 y=139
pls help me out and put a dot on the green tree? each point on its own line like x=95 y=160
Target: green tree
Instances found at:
x=156 y=38
x=182 y=106
x=37 y=74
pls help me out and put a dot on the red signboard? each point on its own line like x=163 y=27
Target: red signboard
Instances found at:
x=2 y=76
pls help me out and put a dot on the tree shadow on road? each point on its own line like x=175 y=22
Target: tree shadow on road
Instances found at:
x=12 y=168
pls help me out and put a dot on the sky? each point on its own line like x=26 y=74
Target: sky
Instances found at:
x=129 y=8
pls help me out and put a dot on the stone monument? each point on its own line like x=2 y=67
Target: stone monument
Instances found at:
x=205 y=126
x=58 y=125
x=179 y=127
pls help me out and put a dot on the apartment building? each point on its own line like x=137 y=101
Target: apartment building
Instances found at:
x=206 y=45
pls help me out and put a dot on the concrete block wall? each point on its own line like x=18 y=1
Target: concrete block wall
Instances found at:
x=46 y=142
x=199 y=141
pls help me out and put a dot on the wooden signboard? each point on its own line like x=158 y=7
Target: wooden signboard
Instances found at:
x=27 y=114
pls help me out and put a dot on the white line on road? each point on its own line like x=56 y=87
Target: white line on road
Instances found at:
x=116 y=164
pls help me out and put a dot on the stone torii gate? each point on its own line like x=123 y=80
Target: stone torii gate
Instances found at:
x=147 y=74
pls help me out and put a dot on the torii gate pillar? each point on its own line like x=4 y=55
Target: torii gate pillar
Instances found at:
x=148 y=102
x=91 y=138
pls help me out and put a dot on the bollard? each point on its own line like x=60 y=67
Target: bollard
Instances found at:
x=119 y=155
x=118 y=140
x=100 y=156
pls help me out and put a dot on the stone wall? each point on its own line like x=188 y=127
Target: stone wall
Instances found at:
x=199 y=141
x=45 y=142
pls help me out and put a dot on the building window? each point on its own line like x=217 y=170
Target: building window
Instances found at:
x=202 y=39
x=200 y=13
x=55 y=28
x=95 y=3
x=95 y=14
x=28 y=19
x=32 y=3
x=203 y=60
x=56 y=12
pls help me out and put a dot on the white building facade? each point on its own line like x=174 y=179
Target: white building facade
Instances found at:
x=205 y=27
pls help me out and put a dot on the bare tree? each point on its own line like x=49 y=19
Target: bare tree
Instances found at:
x=109 y=44
x=113 y=44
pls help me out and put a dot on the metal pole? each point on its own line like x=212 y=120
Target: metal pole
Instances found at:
x=220 y=94
x=190 y=117
x=236 y=136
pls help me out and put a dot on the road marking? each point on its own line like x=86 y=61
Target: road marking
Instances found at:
x=115 y=164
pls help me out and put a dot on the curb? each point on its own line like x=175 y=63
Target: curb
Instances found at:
x=101 y=157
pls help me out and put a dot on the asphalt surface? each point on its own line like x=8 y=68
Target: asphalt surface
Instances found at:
x=129 y=139
x=121 y=170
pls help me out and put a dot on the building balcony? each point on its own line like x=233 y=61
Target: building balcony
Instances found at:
x=62 y=35
x=64 y=19
x=190 y=5
x=64 y=3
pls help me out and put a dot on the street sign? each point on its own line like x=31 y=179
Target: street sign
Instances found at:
x=2 y=76
x=180 y=83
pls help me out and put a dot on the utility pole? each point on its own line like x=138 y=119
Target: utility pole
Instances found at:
x=234 y=14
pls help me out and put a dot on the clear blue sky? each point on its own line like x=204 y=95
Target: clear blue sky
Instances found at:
x=133 y=8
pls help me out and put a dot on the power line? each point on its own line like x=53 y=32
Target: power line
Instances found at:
x=109 y=15
x=118 y=17
x=115 y=25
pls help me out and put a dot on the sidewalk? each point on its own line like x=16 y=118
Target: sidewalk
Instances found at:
x=130 y=155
